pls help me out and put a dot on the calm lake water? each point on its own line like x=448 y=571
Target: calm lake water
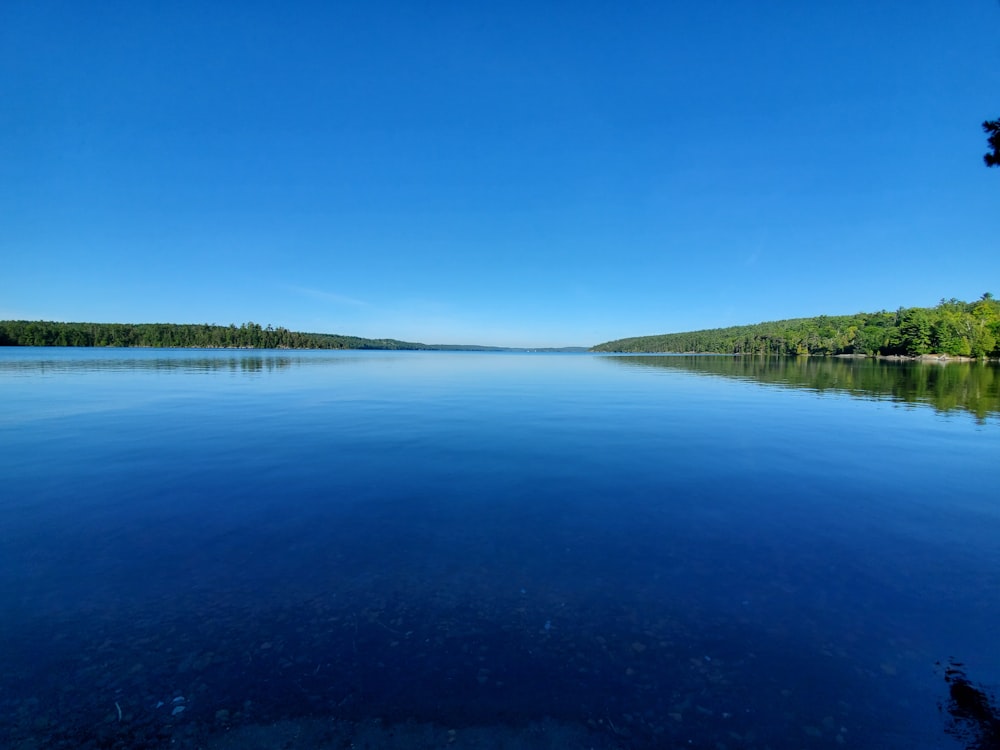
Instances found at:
x=493 y=550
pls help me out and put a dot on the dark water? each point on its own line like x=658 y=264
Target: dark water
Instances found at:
x=217 y=549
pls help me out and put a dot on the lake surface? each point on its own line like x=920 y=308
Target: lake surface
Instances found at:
x=222 y=549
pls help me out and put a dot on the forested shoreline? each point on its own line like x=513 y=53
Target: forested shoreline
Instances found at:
x=953 y=328
x=163 y=335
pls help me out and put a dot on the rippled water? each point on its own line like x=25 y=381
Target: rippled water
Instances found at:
x=247 y=549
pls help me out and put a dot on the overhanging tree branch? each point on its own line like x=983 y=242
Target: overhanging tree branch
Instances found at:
x=992 y=129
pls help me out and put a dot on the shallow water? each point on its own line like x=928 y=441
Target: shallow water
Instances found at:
x=247 y=549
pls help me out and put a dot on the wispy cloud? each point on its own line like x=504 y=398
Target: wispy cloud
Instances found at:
x=337 y=299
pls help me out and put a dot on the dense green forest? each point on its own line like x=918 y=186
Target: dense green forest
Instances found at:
x=246 y=336
x=205 y=336
x=953 y=328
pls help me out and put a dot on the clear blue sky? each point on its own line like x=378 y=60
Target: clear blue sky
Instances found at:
x=505 y=173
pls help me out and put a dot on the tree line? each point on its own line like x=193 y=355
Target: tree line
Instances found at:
x=953 y=328
x=247 y=336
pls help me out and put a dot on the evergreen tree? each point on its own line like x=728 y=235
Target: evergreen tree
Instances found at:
x=992 y=129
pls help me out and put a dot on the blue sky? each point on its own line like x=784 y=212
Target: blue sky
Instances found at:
x=531 y=174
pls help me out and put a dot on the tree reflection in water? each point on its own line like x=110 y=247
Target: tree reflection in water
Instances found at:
x=975 y=719
x=971 y=387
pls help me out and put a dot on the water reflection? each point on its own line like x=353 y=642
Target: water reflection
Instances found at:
x=37 y=361
x=187 y=364
x=975 y=718
x=957 y=386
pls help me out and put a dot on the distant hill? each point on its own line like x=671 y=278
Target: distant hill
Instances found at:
x=953 y=328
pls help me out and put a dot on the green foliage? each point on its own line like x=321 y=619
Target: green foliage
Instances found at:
x=247 y=336
x=915 y=331
x=992 y=130
x=952 y=328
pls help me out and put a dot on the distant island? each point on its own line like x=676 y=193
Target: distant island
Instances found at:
x=204 y=336
x=951 y=329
